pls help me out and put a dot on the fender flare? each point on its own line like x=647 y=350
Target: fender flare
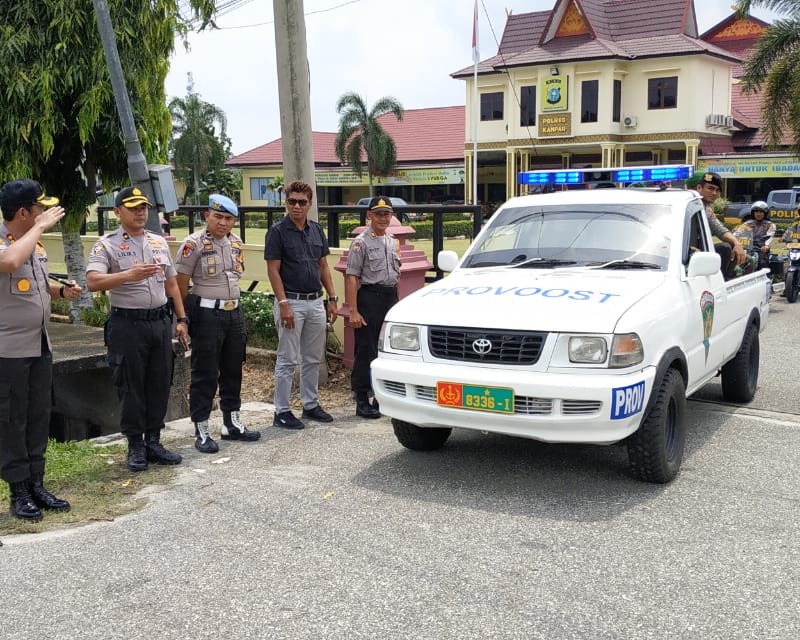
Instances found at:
x=673 y=358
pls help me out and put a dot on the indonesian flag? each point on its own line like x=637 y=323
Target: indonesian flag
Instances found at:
x=475 y=55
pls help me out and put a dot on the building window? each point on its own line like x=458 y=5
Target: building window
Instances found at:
x=259 y=189
x=617 y=106
x=492 y=106
x=662 y=93
x=527 y=108
x=589 y=100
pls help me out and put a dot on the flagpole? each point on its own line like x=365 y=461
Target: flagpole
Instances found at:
x=475 y=105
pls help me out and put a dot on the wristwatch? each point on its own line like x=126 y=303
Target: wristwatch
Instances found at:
x=184 y=320
x=333 y=299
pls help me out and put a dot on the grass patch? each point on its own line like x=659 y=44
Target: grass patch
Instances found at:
x=95 y=480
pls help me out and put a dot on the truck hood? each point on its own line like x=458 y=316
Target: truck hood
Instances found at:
x=564 y=300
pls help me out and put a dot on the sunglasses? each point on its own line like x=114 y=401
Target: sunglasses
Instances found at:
x=295 y=201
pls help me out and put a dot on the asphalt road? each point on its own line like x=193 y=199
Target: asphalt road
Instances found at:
x=338 y=532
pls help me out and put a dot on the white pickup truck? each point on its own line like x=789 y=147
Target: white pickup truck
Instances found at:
x=583 y=317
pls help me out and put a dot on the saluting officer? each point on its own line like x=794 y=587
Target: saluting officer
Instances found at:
x=135 y=267
x=25 y=355
x=213 y=259
x=373 y=262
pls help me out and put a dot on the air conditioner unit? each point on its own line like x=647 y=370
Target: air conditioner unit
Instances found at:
x=729 y=122
x=630 y=121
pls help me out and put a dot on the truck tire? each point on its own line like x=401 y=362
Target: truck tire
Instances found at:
x=418 y=439
x=655 y=450
x=740 y=375
x=789 y=286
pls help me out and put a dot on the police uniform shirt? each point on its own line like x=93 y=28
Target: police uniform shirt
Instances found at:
x=215 y=266
x=374 y=259
x=24 y=303
x=118 y=251
x=300 y=252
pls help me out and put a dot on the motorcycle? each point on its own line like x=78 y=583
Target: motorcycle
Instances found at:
x=792 y=284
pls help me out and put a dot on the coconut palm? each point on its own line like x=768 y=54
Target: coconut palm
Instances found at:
x=360 y=134
x=196 y=147
x=775 y=63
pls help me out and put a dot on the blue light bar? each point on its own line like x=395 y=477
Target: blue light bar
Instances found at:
x=656 y=173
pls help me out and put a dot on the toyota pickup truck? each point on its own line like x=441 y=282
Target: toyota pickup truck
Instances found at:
x=575 y=317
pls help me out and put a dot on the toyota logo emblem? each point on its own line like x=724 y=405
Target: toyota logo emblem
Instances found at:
x=482 y=346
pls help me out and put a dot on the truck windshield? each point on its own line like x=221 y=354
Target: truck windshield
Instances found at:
x=617 y=236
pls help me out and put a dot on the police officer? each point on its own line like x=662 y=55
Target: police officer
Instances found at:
x=214 y=260
x=373 y=262
x=25 y=355
x=135 y=267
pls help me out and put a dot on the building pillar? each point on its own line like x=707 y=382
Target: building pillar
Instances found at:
x=657 y=156
x=469 y=197
x=607 y=155
x=511 y=173
x=524 y=165
x=566 y=160
x=619 y=155
x=691 y=152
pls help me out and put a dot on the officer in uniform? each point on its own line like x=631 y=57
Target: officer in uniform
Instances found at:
x=213 y=259
x=373 y=268
x=26 y=361
x=135 y=267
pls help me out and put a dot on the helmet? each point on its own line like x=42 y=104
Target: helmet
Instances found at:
x=760 y=205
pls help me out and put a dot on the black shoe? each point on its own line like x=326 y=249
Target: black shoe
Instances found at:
x=156 y=451
x=137 y=455
x=234 y=429
x=22 y=504
x=203 y=441
x=286 y=420
x=43 y=498
x=317 y=413
x=366 y=410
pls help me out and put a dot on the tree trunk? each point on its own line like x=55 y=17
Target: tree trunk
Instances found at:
x=76 y=267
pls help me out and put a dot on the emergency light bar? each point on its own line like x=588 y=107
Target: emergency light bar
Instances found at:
x=655 y=173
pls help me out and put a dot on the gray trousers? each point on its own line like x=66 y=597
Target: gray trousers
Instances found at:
x=303 y=345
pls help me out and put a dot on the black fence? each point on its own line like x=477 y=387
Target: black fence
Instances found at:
x=329 y=218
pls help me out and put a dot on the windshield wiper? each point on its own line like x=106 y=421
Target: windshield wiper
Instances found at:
x=537 y=263
x=626 y=264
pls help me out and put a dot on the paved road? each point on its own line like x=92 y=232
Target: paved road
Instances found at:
x=338 y=532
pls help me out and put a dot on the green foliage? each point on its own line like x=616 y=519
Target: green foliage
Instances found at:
x=361 y=134
x=60 y=306
x=259 y=320
x=98 y=314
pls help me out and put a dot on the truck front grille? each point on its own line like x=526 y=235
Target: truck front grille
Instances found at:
x=486 y=346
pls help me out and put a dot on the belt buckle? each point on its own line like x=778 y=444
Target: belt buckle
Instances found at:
x=229 y=305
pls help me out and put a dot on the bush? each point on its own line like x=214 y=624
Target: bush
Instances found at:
x=98 y=314
x=258 y=320
x=61 y=306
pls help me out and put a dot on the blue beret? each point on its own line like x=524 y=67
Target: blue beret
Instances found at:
x=218 y=202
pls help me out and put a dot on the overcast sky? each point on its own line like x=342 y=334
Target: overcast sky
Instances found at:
x=406 y=49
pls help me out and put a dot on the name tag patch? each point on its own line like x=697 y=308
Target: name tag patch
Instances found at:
x=627 y=401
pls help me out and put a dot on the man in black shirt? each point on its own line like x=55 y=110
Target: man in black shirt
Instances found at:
x=295 y=250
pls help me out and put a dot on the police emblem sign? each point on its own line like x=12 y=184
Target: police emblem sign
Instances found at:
x=554 y=96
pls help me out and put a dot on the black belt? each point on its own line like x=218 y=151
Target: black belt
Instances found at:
x=158 y=313
x=380 y=288
x=303 y=296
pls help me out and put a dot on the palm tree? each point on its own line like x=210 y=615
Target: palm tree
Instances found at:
x=361 y=134
x=775 y=63
x=196 y=147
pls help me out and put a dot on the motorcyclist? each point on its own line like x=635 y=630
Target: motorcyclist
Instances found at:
x=792 y=233
x=759 y=230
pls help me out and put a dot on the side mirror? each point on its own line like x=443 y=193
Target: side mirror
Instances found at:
x=704 y=263
x=447 y=260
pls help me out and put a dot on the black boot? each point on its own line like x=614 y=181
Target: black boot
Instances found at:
x=203 y=441
x=365 y=410
x=43 y=498
x=234 y=429
x=22 y=505
x=137 y=454
x=156 y=451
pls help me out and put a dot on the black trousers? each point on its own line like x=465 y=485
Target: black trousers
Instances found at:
x=218 y=351
x=141 y=359
x=727 y=265
x=25 y=402
x=374 y=302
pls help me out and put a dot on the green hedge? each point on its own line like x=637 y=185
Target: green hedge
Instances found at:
x=259 y=320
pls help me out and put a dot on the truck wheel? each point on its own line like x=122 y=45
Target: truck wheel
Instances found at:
x=789 y=286
x=655 y=450
x=740 y=375
x=413 y=437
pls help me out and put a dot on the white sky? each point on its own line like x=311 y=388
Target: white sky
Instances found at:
x=401 y=48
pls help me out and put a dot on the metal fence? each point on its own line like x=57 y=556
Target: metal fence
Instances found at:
x=329 y=218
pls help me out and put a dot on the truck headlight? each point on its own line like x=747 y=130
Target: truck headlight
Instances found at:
x=626 y=351
x=404 y=337
x=587 y=349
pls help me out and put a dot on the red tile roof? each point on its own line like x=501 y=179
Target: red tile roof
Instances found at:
x=423 y=135
x=622 y=29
